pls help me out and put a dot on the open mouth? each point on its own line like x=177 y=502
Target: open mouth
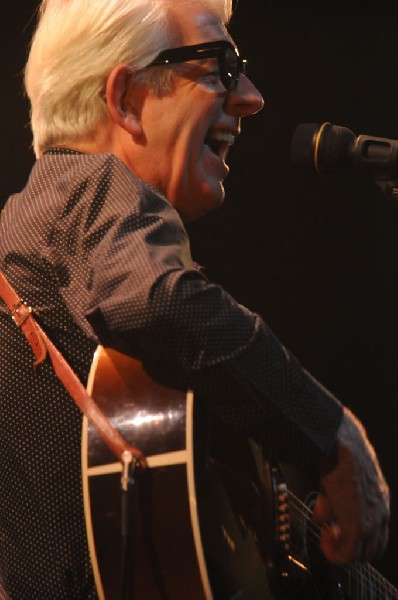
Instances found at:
x=219 y=142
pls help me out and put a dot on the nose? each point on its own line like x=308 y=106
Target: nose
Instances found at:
x=244 y=100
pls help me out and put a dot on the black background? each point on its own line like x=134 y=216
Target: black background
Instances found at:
x=317 y=257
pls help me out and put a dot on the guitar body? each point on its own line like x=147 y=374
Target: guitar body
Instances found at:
x=209 y=519
x=189 y=541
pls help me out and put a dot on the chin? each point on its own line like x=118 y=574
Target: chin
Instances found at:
x=203 y=210
x=212 y=198
x=195 y=205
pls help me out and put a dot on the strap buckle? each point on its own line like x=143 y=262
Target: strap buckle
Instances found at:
x=20 y=312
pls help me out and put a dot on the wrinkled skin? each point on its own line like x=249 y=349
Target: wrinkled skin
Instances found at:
x=353 y=506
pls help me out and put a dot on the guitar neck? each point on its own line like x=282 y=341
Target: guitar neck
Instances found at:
x=364 y=582
x=360 y=581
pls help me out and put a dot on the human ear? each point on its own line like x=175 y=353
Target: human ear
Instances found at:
x=120 y=100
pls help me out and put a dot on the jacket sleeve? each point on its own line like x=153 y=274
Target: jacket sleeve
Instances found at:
x=147 y=297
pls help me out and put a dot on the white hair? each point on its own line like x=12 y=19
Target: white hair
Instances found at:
x=76 y=45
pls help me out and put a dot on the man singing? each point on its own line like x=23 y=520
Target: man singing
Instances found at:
x=134 y=106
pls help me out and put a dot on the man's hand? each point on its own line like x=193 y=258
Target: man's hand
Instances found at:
x=353 y=506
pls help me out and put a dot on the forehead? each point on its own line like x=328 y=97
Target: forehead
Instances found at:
x=198 y=25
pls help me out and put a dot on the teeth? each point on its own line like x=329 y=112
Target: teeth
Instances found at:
x=223 y=136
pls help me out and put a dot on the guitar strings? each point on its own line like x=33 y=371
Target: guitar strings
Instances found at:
x=366 y=573
x=312 y=528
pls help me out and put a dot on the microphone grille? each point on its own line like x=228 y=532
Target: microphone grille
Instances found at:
x=323 y=148
x=303 y=145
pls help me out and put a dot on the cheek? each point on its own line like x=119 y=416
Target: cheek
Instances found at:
x=189 y=151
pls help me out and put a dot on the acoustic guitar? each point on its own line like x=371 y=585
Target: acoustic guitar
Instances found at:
x=210 y=519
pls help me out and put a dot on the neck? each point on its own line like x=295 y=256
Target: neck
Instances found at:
x=96 y=143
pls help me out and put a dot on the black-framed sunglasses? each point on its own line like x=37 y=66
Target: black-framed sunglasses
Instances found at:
x=230 y=64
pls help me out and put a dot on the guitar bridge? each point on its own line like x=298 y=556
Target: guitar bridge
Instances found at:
x=288 y=572
x=282 y=517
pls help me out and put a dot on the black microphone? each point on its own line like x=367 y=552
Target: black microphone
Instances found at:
x=330 y=148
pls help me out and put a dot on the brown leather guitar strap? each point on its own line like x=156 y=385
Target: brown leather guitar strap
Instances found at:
x=41 y=345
